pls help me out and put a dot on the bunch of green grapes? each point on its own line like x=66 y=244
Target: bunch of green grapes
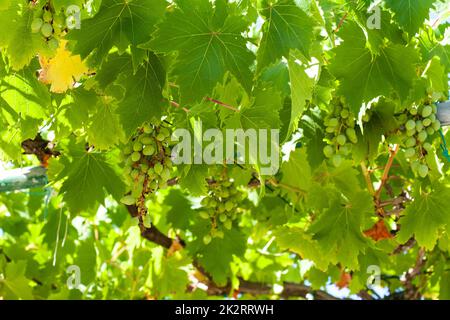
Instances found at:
x=49 y=24
x=419 y=127
x=148 y=163
x=221 y=207
x=340 y=132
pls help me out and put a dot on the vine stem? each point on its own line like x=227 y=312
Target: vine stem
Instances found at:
x=177 y=105
x=366 y=175
x=385 y=178
x=227 y=106
x=341 y=22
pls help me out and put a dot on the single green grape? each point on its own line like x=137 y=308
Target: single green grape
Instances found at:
x=337 y=160
x=158 y=168
x=135 y=156
x=228 y=224
x=410 y=142
x=128 y=200
x=53 y=44
x=333 y=122
x=410 y=125
x=46 y=30
x=427 y=146
x=341 y=139
x=427 y=111
x=36 y=25
x=423 y=171
x=410 y=152
x=204 y=215
x=422 y=136
x=149 y=150
x=427 y=122
x=207 y=239
x=47 y=16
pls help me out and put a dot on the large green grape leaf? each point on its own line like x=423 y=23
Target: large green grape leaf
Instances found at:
x=376 y=36
x=104 y=130
x=209 y=44
x=86 y=260
x=410 y=14
x=338 y=230
x=23 y=95
x=118 y=23
x=22 y=44
x=217 y=256
x=89 y=176
x=313 y=134
x=426 y=215
x=296 y=171
x=286 y=27
x=364 y=76
x=437 y=76
x=143 y=97
x=444 y=286
x=298 y=241
x=169 y=274
x=431 y=47
x=180 y=209
x=17 y=286
x=194 y=179
x=264 y=112
x=301 y=91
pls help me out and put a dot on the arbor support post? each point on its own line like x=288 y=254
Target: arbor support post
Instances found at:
x=443 y=113
x=24 y=178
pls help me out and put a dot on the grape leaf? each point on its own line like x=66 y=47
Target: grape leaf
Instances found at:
x=296 y=171
x=338 y=230
x=410 y=14
x=216 y=256
x=88 y=176
x=62 y=70
x=437 y=76
x=86 y=261
x=143 y=97
x=17 y=285
x=286 y=27
x=169 y=275
x=364 y=76
x=208 y=47
x=301 y=90
x=263 y=113
x=21 y=43
x=428 y=213
x=117 y=22
x=194 y=179
x=180 y=211
x=298 y=241
x=104 y=130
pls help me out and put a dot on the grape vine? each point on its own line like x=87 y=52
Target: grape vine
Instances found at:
x=239 y=149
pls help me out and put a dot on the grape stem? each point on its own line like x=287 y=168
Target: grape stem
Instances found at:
x=385 y=178
x=220 y=103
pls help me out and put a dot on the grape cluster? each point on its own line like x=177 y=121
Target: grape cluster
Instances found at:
x=49 y=24
x=419 y=126
x=340 y=132
x=148 y=162
x=220 y=207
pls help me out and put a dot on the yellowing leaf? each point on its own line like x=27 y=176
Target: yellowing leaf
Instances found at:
x=63 y=70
